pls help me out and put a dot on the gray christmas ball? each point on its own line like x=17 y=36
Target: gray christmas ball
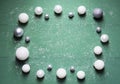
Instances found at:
x=97 y=13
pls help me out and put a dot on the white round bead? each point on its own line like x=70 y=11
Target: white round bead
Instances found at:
x=40 y=73
x=22 y=53
x=38 y=10
x=104 y=38
x=26 y=68
x=99 y=64
x=23 y=18
x=58 y=9
x=80 y=74
x=98 y=50
x=61 y=73
x=81 y=10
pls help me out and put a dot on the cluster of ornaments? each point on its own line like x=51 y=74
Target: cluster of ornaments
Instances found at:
x=22 y=53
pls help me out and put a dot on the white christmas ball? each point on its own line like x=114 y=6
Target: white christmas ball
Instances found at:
x=22 y=53
x=99 y=64
x=81 y=10
x=26 y=68
x=58 y=9
x=104 y=38
x=80 y=74
x=98 y=50
x=40 y=73
x=23 y=17
x=38 y=10
x=61 y=73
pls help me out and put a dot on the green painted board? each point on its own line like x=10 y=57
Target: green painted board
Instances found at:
x=60 y=41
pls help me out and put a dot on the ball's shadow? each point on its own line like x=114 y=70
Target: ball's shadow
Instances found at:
x=99 y=72
x=81 y=81
x=61 y=81
x=22 y=25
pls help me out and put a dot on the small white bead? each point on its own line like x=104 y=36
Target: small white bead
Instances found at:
x=46 y=17
x=58 y=9
x=98 y=50
x=81 y=10
x=61 y=73
x=26 y=68
x=70 y=15
x=80 y=74
x=22 y=53
x=104 y=38
x=99 y=65
x=23 y=18
x=98 y=29
x=40 y=73
x=38 y=10
x=49 y=67
x=72 y=69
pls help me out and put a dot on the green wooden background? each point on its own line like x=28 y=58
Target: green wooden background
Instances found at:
x=60 y=41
